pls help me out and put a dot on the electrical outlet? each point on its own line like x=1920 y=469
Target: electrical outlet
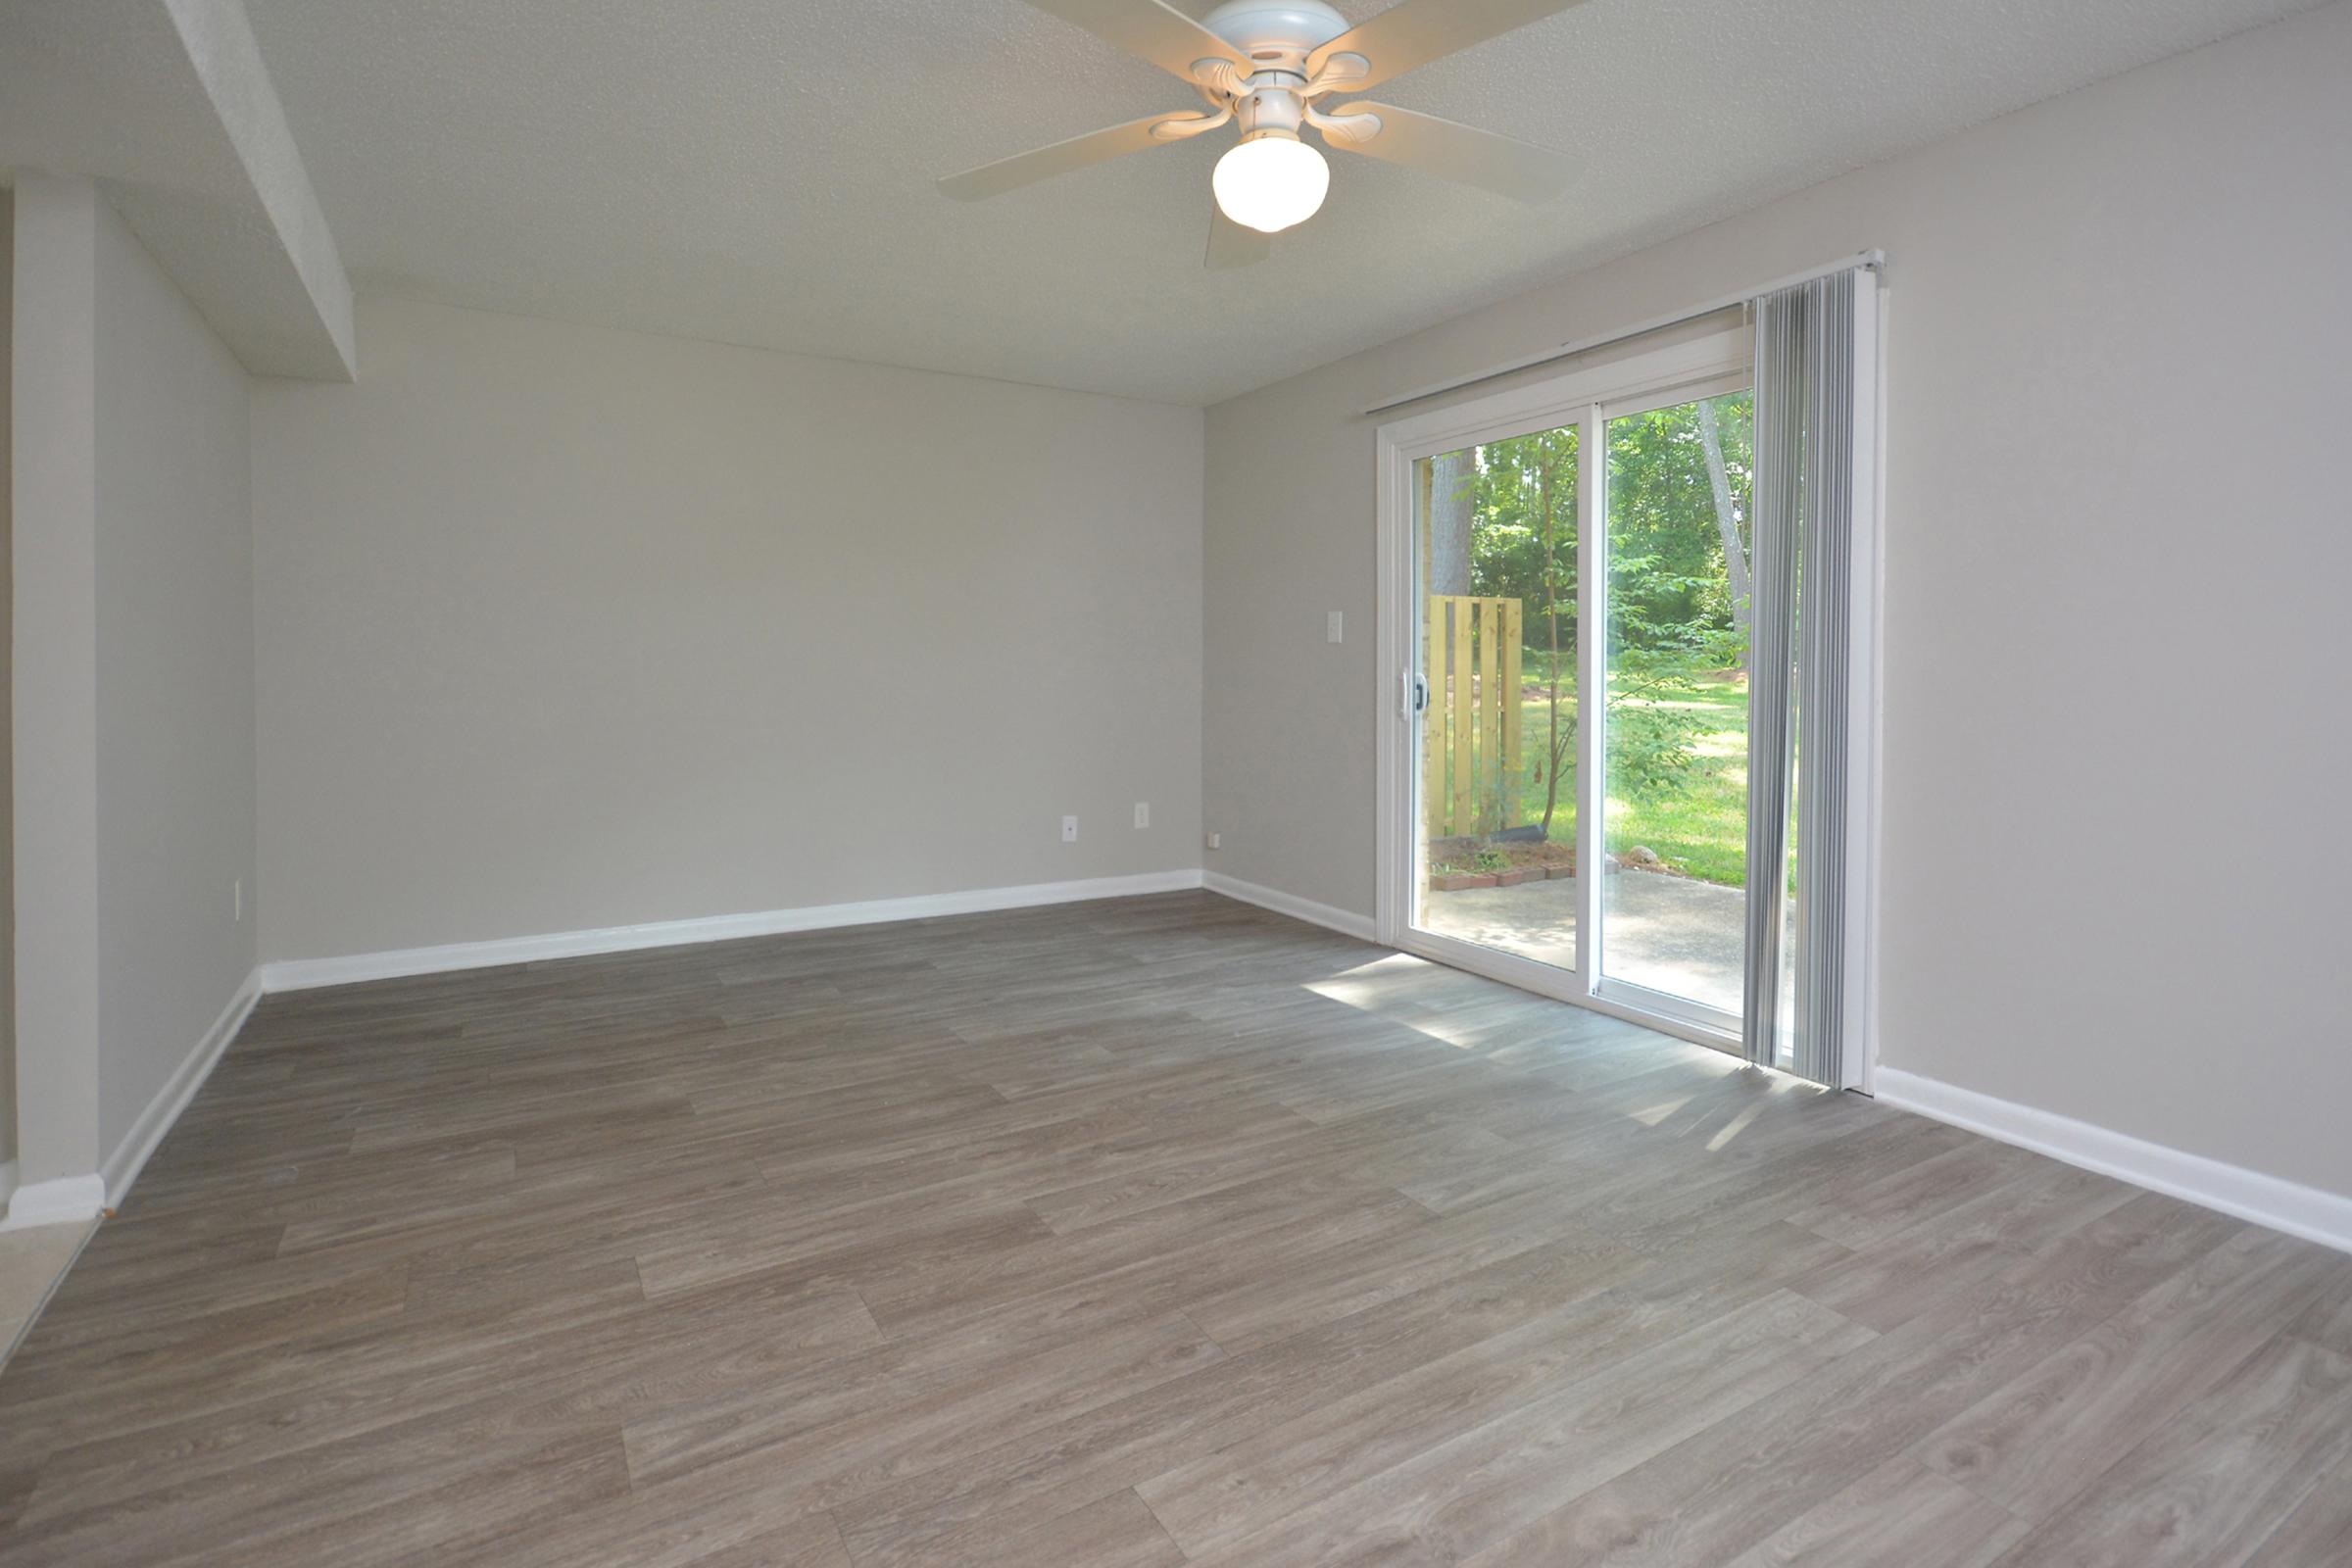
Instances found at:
x=1143 y=813
x=1216 y=841
x=1331 y=628
x=1069 y=830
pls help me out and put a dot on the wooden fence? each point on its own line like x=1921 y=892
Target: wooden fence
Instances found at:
x=1470 y=764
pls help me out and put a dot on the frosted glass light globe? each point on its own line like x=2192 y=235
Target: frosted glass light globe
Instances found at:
x=1270 y=183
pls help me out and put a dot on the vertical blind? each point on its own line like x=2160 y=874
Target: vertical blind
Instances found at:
x=1803 y=727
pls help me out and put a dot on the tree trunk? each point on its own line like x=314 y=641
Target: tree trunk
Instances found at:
x=1551 y=607
x=1734 y=556
x=1449 y=510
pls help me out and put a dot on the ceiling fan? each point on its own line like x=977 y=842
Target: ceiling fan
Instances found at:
x=1263 y=64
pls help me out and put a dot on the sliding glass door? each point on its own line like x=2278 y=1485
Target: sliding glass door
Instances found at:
x=1568 y=794
x=1496 y=532
x=1675 y=762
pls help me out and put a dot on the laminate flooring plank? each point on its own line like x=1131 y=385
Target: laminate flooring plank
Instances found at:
x=1890 y=1280
x=1721 y=1490
x=1901 y=1512
x=1252 y=1486
x=2327 y=1321
x=2039 y=1440
x=969 y=1506
x=832 y=1461
x=1093 y=1234
x=594 y=1373
x=2217 y=1485
x=1455 y=1497
x=2318 y=1533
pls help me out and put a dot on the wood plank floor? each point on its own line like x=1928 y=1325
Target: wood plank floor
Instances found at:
x=1123 y=1235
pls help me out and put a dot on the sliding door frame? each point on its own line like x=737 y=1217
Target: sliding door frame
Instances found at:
x=1588 y=397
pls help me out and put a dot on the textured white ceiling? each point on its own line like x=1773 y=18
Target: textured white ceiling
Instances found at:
x=759 y=172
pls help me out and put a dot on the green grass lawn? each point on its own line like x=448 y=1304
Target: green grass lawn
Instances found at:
x=1699 y=828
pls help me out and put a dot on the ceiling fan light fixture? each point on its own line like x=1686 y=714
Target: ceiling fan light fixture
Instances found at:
x=1269 y=68
x=1271 y=181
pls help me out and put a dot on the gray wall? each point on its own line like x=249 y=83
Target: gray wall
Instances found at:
x=2117 y=549
x=8 y=832
x=562 y=628
x=132 y=678
x=175 y=708
x=53 y=677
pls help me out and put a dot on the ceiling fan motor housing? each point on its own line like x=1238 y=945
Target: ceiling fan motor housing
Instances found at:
x=1277 y=40
x=1276 y=37
x=1269 y=112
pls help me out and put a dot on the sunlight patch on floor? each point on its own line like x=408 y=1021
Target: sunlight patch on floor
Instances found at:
x=1737 y=1125
x=1378 y=988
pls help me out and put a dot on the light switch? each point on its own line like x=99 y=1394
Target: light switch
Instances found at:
x=1331 y=628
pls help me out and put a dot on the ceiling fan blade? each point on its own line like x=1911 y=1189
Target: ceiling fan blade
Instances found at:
x=1504 y=164
x=1079 y=152
x=1232 y=244
x=1151 y=28
x=1417 y=31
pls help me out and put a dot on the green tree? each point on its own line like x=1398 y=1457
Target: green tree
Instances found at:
x=1674 y=556
x=1679 y=478
x=1524 y=546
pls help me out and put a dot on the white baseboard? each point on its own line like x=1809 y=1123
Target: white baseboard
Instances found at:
x=302 y=975
x=2282 y=1205
x=59 y=1201
x=65 y=1199
x=1345 y=922
x=130 y=1156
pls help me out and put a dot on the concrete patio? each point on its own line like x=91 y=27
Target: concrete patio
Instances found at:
x=1669 y=932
